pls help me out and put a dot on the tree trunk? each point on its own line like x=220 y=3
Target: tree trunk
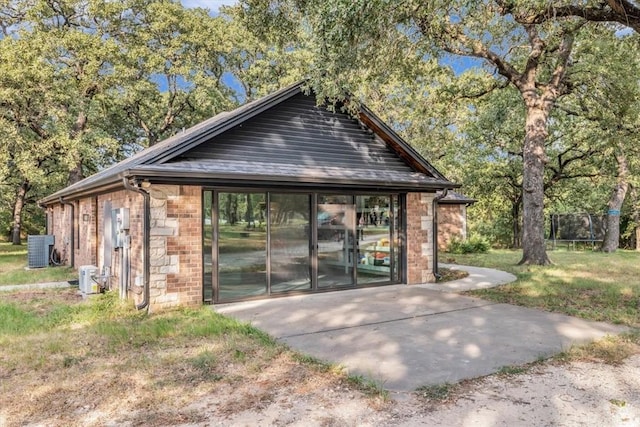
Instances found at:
x=636 y=215
x=515 y=219
x=612 y=234
x=75 y=174
x=249 y=214
x=534 y=249
x=21 y=196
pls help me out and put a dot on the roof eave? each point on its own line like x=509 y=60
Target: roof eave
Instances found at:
x=231 y=179
x=100 y=187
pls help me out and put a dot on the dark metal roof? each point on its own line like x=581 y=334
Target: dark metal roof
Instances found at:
x=454 y=198
x=276 y=173
x=283 y=136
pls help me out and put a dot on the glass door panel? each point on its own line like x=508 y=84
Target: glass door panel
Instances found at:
x=207 y=246
x=336 y=226
x=289 y=226
x=375 y=239
x=242 y=245
x=396 y=233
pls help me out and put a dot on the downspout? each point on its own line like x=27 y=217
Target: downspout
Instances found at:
x=72 y=239
x=434 y=207
x=146 y=219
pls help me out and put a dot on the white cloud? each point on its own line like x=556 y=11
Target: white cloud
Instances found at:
x=212 y=5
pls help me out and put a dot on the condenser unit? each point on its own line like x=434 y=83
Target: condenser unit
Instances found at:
x=38 y=250
x=88 y=282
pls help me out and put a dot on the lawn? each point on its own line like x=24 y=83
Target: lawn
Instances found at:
x=13 y=263
x=68 y=361
x=587 y=284
x=65 y=360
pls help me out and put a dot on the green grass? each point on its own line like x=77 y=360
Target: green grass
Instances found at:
x=438 y=393
x=591 y=285
x=105 y=324
x=54 y=344
x=13 y=263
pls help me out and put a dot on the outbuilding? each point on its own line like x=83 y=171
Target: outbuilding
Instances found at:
x=452 y=218
x=279 y=196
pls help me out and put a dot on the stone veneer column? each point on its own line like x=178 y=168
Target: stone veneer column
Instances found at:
x=176 y=245
x=162 y=263
x=420 y=238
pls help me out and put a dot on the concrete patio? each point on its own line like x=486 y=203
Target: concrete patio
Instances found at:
x=405 y=336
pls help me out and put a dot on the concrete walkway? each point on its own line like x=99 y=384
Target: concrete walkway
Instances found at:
x=478 y=278
x=46 y=285
x=405 y=337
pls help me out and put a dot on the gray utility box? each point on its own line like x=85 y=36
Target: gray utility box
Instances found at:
x=38 y=250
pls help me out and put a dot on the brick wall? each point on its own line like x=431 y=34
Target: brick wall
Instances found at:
x=175 y=241
x=176 y=245
x=452 y=223
x=134 y=202
x=85 y=245
x=419 y=238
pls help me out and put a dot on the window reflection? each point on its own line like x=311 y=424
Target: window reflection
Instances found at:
x=336 y=224
x=266 y=242
x=375 y=244
x=242 y=245
x=290 y=264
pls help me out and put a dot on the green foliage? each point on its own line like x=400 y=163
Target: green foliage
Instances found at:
x=90 y=82
x=512 y=370
x=400 y=59
x=16 y=321
x=473 y=245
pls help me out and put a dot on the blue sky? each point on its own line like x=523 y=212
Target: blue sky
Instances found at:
x=212 y=5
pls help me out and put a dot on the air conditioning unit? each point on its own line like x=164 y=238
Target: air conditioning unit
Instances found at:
x=88 y=282
x=38 y=250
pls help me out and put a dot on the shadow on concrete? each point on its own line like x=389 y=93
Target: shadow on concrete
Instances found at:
x=405 y=337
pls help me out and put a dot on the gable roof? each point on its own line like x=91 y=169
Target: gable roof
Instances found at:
x=282 y=127
x=455 y=198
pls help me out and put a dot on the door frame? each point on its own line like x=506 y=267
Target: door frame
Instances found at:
x=397 y=269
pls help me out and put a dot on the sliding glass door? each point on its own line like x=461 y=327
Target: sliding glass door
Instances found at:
x=335 y=225
x=257 y=244
x=376 y=248
x=289 y=226
x=242 y=245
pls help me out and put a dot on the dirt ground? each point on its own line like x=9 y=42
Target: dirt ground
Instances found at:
x=576 y=394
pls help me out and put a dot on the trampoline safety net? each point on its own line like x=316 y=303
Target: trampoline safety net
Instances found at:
x=577 y=227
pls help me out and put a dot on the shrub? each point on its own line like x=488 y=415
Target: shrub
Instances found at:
x=474 y=245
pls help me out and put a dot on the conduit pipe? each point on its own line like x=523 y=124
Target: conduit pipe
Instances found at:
x=435 y=230
x=146 y=233
x=71 y=239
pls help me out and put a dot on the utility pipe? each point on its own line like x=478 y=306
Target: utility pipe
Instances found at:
x=72 y=239
x=434 y=206
x=146 y=219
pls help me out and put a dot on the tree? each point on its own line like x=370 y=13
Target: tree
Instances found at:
x=359 y=41
x=170 y=65
x=606 y=94
x=83 y=83
x=624 y=12
x=265 y=63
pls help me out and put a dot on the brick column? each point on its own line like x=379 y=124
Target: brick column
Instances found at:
x=175 y=246
x=420 y=238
